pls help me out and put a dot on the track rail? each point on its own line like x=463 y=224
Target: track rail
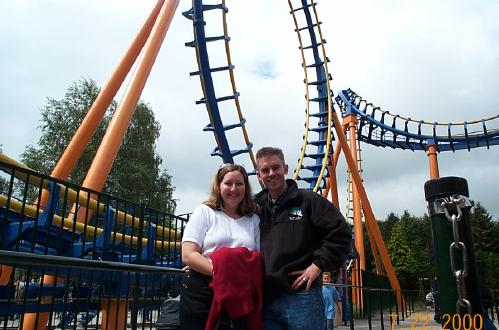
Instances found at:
x=206 y=72
x=385 y=129
x=318 y=135
x=317 y=147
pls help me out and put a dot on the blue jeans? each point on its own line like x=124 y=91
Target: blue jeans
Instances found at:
x=303 y=310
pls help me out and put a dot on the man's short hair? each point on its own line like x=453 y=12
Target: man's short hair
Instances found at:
x=268 y=152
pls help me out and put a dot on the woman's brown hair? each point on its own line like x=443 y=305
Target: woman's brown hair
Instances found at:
x=215 y=201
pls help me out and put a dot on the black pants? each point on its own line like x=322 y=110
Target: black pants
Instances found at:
x=195 y=304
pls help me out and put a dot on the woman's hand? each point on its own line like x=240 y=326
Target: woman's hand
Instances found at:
x=192 y=257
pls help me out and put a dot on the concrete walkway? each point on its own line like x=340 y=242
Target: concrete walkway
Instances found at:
x=407 y=324
x=416 y=321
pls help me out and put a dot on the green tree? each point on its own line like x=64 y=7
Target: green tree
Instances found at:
x=483 y=225
x=386 y=226
x=495 y=233
x=403 y=257
x=131 y=176
x=485 y=234
x=60 y=120
x=136 y=174
x=4 y=185
x=417 y=231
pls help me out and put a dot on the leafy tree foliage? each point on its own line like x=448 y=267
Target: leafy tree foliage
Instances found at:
x=60 y=120
x=402 y=256
x=418 y=237
x=136 y=174
x=485 y=243
x=482 y=224
x=4 y=185
x=132 y=177
x=409 y=240
x=386 y=226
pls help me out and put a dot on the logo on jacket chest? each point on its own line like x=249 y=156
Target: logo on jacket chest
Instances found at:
x=295 y=214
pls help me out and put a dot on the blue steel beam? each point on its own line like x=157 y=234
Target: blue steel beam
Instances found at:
x=388 y=135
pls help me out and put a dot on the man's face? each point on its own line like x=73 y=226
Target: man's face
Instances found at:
x=326 y=278
x=272 y=172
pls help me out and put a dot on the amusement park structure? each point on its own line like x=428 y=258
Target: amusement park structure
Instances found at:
x=79 y=222
x=325 y=135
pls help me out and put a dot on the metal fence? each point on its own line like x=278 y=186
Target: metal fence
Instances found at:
x=377 y=308
x=72 y=257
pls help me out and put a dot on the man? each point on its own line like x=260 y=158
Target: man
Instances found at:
x=302 y=234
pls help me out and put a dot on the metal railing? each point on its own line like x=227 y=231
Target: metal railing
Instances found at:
x=70 y=256
x=376 y=308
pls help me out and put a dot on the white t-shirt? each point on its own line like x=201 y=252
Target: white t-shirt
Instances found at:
x=212 y=229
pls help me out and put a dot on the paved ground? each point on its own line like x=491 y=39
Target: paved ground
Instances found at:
x=417 y=321
x=403 y=325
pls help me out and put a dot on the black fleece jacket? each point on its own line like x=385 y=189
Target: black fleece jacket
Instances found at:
x=301 y=227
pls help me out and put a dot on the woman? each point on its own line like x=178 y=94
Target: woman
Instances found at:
x=225 y=219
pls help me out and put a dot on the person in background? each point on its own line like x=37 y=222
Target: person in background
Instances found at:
x=331 y=298
x=225 y=220
x=302 y=234
x=429 y=300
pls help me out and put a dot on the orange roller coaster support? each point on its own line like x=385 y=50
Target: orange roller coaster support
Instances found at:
x=109 y=147
x=114 y=314
x=432 y=157
x=368 y=212
x=5 y=273
x=357 y=215
x=107 y=151
x=332 y=183
x=332 y=187
x=91 y=121
x=78 y=143
x=103 y=161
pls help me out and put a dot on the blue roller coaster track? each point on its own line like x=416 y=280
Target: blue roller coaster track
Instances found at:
x=316 y=149
x=384 y=129
x=375 y=126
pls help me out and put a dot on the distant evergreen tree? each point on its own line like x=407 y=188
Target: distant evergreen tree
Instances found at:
x=485 y=237
x=403 y=258
x=388 y=224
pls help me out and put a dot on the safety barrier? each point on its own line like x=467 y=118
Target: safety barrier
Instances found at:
x=79 y=299
x=382 y=312
x=82 y=254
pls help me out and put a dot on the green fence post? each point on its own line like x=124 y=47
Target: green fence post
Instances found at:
x=368 y=309
x=397 y=307
x=496 y=305
x=350 y=305
x=448 y=208
x=381 y=309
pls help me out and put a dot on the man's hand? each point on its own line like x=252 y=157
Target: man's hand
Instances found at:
x=306 y=276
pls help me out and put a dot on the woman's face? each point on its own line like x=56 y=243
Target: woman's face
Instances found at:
x=232 y=189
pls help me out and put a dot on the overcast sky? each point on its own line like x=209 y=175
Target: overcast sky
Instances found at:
x=436 y=61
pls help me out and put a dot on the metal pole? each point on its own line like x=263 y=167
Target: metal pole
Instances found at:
x=448 y=208
x=397 y=309
x=350 y=305
x=368 y=302
x=381 y=309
